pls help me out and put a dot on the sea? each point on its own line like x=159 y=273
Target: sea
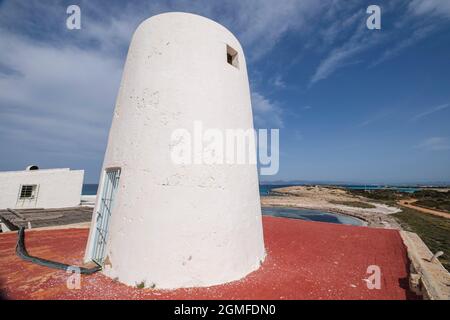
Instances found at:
x=264 y=189
x=310 y=215
x=293 y=213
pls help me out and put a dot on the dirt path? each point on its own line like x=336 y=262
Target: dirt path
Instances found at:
x=409 y=203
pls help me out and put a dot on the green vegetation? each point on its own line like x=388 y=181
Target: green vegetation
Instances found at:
x=381 y=194
x=434 y=231
x=356 y=204
x=434 y=204
x=140 y=285
x=433 y=199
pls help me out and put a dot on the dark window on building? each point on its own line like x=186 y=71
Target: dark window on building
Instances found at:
x=232 y=57
x=229 y=58
x=27 y=191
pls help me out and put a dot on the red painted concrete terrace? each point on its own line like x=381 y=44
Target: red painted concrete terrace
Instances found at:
x=305 y=260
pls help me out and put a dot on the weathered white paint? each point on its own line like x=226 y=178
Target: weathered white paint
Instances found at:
x=57 y=188
x=180 y=226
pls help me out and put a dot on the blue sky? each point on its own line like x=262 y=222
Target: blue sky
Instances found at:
x=353 y=105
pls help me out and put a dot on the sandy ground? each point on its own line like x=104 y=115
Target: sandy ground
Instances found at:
x=409 y=203
x=321 y=198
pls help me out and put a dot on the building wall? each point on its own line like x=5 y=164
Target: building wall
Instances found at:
x=57 y=188
x=180 y=225
x=3 y=227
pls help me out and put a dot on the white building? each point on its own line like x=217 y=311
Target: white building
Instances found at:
x=169 y=225
x=36 y=188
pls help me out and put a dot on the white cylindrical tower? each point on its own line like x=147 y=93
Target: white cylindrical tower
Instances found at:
x=169 y=225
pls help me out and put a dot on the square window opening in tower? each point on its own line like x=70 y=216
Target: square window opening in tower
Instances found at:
x=232 y=57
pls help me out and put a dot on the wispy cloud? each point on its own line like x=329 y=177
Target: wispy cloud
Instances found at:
x=278 y=82
x=347 y=42
x=95 y=54
x=377 y=117
x=261 y=24
x=266 y=113
x=61 y=99
x=417 y=24
x=435 y=144
x=430 y=111
x=357 y=40
x=417 y=35
x=434 y=7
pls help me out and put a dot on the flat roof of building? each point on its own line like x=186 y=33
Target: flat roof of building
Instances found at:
x=305 y=260
x=39 y=217
x=39 y=171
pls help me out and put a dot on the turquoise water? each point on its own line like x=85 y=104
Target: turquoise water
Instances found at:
x=91 y=189
x=311 y=215
x=264 y=189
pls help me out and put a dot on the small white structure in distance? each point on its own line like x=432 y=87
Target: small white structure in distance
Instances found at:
x=168 y=225
x=36 y=188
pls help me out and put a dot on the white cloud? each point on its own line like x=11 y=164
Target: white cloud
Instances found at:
x=420 y=33
x=58 y=87
x=340 y=56
x=435 y=144
x=419 y=21
x=60 y=99
x=278 y=82
x=430 y=111
x=434 y=7
x=261 y=24
x=338 y=27
x=266 y=113
x=381 y=115
x=416 y=24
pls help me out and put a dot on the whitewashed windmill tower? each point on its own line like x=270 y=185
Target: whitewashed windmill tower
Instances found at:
x=169 y=225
